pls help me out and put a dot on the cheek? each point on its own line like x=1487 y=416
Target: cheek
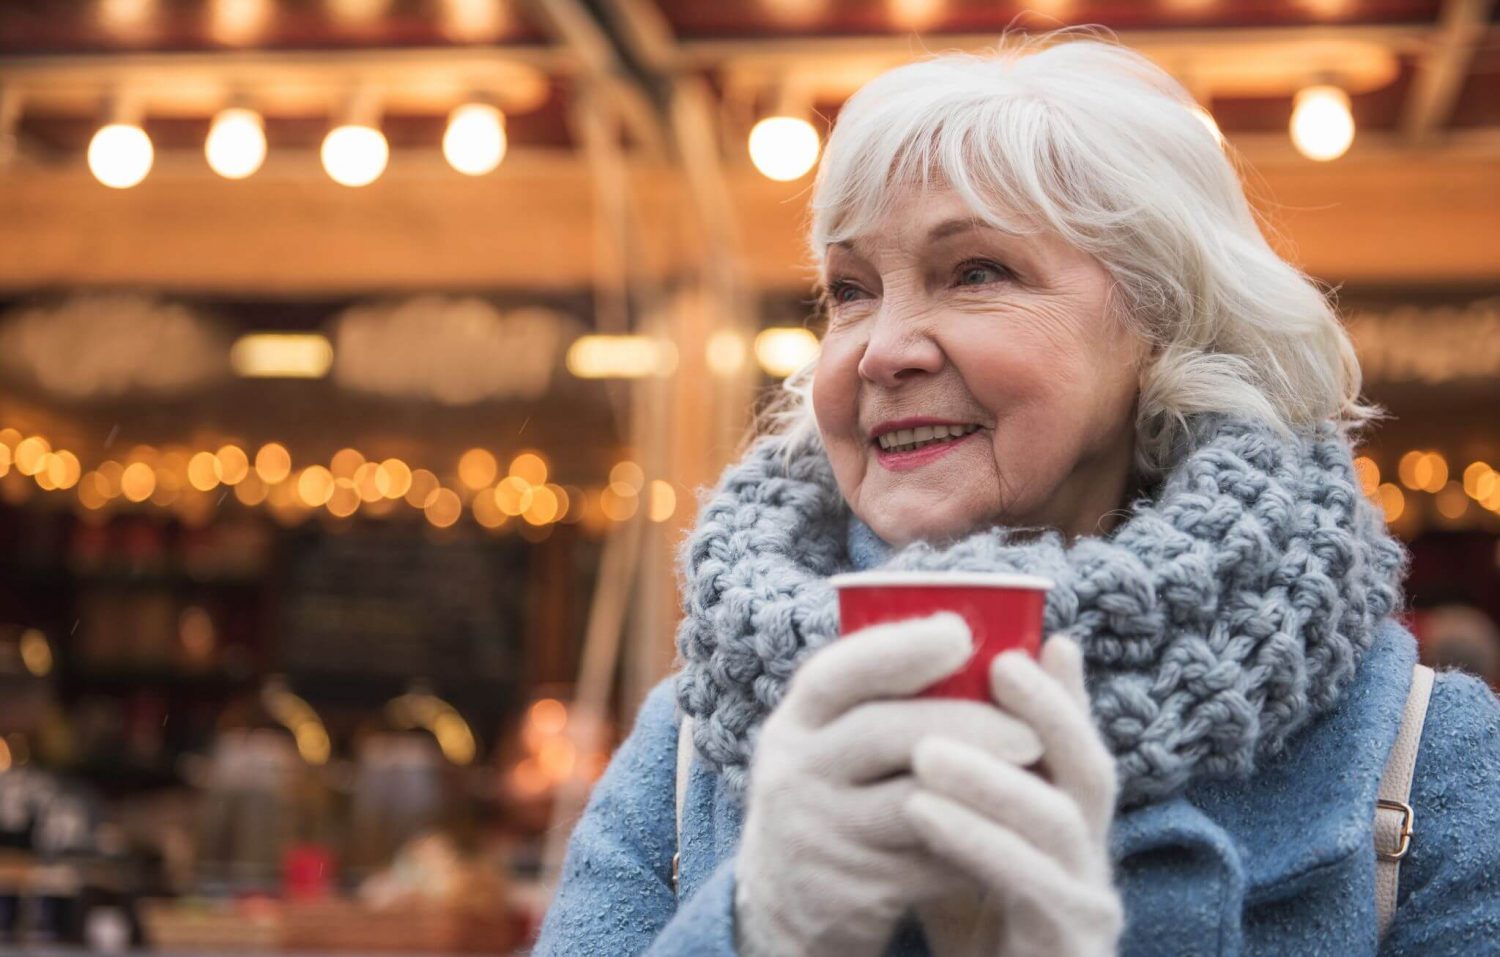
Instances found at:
x=835 y=389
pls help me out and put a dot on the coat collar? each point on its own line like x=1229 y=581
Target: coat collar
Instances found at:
x=1197 y=861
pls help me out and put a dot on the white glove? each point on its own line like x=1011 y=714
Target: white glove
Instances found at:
x=1038 y=851
x=828 y=862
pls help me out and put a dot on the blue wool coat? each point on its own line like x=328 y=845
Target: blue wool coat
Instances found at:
x=1281 y=863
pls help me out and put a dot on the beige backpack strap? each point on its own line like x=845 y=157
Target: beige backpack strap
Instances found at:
x=684 y=765
x=1394 y=817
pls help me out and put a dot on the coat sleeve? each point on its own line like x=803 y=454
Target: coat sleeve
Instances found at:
x=616 y=894
x=1448 y=902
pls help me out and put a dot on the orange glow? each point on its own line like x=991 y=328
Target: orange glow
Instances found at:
x=424 y=485
x=315 y=486
x=513 y=495
x=345 y=500
x=444 y=508
x=477 y=468
x=618 y=502
x=1452 y=503
x=530 y=467
x=233 y=464
x=543 y=507
x=1479 y=480
x=663 y=500
x=345 y=462
x=29 y=454
x=557 y=758
x=138 y=482
x=273 y=463
x=628 y=473
x=487 y=513
x=205 y=471
x=365 y=483
x=1368 y=474
x=110 y=473
x=548 y=716
x=393 y=478
x=253 y=490
x=1392 y=501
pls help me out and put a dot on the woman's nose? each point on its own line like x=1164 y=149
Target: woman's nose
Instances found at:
x=898 y=351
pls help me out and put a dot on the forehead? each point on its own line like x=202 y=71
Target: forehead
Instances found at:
x=912 y=215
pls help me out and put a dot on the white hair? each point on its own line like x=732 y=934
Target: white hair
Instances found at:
x=1091 y=140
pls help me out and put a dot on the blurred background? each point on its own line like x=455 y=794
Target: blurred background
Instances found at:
x=360 y=359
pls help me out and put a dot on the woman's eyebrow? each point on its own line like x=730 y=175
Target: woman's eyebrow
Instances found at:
x=962 y=224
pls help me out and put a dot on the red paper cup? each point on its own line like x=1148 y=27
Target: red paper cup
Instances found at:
x=1003 y=611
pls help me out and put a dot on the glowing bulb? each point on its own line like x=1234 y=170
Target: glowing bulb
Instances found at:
x=120 y=155
x=782 y=351
x=355 y=155
x=474 y=143
x=1322 y=126
x=783 y=147
x=236 y=144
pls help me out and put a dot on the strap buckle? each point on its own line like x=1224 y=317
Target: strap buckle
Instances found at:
x=1408 y=818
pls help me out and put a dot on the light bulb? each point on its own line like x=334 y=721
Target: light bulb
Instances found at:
x=783 y=147
x=236 y=144
x=120 y=155
x=474 y=142
x=355 y=155
x=783 y=350
x=1322 y=126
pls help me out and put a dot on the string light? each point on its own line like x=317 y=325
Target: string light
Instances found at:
x=182 y=479
x=1392 y=501
x=529 y=467
x=783 y=148
x=1322 y=127
x=273 y=463
x=783 y=350
x=236 y=144
x=621 y=357
x=354 y=155
x=474 y=142
x=120 y=155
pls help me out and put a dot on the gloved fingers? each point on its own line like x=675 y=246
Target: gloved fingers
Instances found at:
x=875 y=739
x=1011 y=797
x=1005 y=862
x=1063 y=660
x=875 y=814
x=894 y=660
x=1076 y=758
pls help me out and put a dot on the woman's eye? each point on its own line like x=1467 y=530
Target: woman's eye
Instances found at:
x=980 y=273
x=843 y=292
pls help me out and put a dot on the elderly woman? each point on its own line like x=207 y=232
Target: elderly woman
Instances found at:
x=1056 y=343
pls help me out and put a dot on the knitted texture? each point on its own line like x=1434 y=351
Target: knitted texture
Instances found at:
x=1231 y=606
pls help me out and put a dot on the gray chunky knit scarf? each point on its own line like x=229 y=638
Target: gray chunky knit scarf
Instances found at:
x=1229 y=608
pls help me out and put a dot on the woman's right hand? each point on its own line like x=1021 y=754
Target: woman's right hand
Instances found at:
x=828 y=863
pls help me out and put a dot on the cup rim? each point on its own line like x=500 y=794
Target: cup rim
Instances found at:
x=920 y=579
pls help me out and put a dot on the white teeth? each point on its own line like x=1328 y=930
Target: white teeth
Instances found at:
x=906 y=440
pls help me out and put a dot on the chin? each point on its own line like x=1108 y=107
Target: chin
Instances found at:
x=900 y=530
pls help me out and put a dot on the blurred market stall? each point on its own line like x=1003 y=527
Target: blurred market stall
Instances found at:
x=360 y=361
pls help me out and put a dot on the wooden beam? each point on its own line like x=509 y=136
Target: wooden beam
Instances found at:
x=1408 y=216
x=1442 y=69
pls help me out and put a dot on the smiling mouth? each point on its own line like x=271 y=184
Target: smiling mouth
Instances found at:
x=909 y=440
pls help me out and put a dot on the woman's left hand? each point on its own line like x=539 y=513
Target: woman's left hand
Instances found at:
x=1038 y=851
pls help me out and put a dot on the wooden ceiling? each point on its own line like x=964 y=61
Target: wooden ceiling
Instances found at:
x=1427 y=108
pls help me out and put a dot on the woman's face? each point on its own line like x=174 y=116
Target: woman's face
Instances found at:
x=938 y=320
